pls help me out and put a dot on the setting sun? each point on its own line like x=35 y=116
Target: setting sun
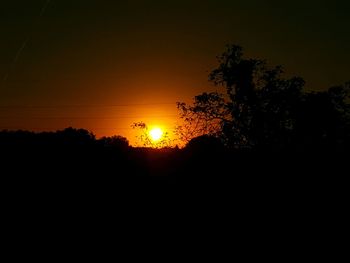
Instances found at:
x=156 y=134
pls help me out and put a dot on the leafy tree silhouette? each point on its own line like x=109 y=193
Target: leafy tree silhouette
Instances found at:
x=145 y=139
x=324 y=119
x=261 y=109
x=205 y=117
x=115 y=142
x=75 y=137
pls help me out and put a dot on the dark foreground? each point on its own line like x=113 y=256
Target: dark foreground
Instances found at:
x=62 y=170
x=85 y=194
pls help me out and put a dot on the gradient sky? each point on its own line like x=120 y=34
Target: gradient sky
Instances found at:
x=102 y=65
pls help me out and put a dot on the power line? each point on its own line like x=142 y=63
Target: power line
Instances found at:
x=14 y=128
x=86 y=118
x=82 y=105
x=43 y=129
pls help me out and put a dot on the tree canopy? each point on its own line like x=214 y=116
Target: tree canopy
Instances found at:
x=260 y=108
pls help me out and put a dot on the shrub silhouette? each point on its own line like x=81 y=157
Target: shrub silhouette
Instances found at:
x=204 y=144
x=115 y=142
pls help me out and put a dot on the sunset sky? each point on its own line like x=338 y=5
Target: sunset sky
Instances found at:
x=104 y=64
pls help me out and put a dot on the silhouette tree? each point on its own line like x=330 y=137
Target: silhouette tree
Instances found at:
x=261 y=109
x=205 y=117
x=323 y=119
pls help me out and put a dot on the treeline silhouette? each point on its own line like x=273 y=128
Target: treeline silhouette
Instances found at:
x=264 y=137
x=75 y=156
x=69 y=182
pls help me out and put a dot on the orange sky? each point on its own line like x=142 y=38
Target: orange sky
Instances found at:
x=102 y=65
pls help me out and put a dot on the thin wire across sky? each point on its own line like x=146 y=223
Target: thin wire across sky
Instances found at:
x=83 y=105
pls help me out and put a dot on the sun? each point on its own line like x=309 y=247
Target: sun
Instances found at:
x=156 y=134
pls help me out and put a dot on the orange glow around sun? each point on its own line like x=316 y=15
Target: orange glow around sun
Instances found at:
x=156 y=134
